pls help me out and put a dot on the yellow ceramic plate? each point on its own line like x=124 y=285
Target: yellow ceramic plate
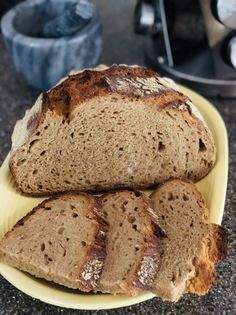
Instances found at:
x=14 y=206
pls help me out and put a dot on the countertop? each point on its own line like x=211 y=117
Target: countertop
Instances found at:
x=121 y=46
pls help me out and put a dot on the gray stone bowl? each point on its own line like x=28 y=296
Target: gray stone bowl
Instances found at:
x=44 y=61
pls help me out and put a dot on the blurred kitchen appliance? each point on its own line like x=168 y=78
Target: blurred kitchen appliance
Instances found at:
x=194 y=42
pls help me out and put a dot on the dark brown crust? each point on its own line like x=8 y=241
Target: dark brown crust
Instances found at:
x=81 y=87
x=153 y=253
x=152 y=250
x=96 y=251
x=216 y=249
x=219 y=249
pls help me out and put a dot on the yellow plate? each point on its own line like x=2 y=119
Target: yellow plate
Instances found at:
x=14 y=206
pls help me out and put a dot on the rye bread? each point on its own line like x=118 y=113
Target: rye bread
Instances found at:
x=61 y=240
x=193 y=245
x=122 y=126
x=132 y=244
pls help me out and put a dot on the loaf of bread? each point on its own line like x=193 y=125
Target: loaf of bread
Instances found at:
x=53 y=242
x=122 y=126
x=132 y=244
x=193 y=245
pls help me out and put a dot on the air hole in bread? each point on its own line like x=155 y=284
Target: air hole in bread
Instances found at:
x=137 y=248
x=35 y=172
x=75 y=215
x=135 y=227
x=83 y=243
x=161 y=146
x=186 y=122
x=72 y=135
x=42 y=153
x=47 y=259
x=121 y=224
x=171 y=196
x=185 y=197
x=89 y=217
x=137 y=193
x=114 y=99
x=42 y=247
x=131 y=219
x=202 y=146
x=61 y=230
x=48 y=208
x=40 y=187
x=20 y=162
x=38 y=133
x=203 y=161
x=121 y=149
x=46 y=127
x=67 y=239
x=33 y=142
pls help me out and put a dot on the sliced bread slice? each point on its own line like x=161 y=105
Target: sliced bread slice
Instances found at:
x=61 y=240
x=193 y=244
x=133 y=248
x=120 y=127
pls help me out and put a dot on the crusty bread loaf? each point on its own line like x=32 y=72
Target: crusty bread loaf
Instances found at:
x=117 y=127
x=193 y=245
x=132 y=244
x=61 y=240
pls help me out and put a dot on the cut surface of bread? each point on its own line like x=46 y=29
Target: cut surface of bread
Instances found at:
x=61 y=240
x=132 y=244
x=122 y=126
x=193 y=245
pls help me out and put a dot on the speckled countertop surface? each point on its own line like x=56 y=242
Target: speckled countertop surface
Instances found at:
x=121 y=46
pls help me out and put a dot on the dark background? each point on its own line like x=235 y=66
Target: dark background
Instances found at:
x=121 y=45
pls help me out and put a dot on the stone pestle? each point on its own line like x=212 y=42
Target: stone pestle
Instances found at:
x=75 y=17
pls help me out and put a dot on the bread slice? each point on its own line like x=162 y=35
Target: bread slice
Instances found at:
x=121 y=126
x=133 y=247
x=61 y=240
x=193 y=244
